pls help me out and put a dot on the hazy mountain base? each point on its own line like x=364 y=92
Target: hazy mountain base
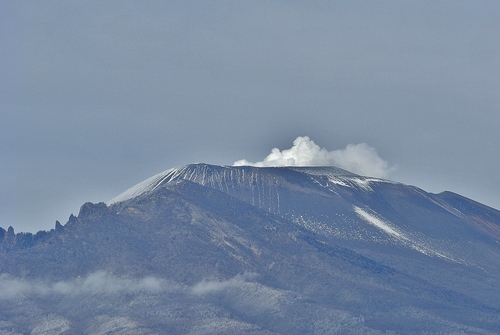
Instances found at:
x=188 y=259
x=236 y=306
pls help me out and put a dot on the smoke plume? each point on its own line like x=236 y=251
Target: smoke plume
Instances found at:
x=357 y=158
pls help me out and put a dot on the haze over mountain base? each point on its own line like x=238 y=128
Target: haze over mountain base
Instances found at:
x=205 y=249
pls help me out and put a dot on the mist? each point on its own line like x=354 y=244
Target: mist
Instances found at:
x=96 y=283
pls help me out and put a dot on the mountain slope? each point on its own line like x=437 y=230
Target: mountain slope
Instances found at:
x=323 y=200
x=207 y=249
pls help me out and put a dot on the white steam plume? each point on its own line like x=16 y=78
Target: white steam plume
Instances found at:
x=357 y=158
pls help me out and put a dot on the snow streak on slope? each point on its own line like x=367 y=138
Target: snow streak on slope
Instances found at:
x=361 y=182
x=340 y=177
x=225 y=178
x=146 y=186
x=378 y=223
x=423 y=247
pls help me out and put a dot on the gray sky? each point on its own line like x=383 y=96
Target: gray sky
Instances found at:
x=96 y=96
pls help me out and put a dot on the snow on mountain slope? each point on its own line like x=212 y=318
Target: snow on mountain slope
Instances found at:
x=399 y=236
x=341 y=177
x=222 y=176
x=337 y=204
x=145 y=186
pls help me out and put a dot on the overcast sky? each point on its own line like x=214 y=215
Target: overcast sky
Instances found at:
x=96 y=96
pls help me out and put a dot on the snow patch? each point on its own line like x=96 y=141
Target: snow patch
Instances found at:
x=141 y=188
x=52 y=324
x=423 y=247
x=148 y=185
x=361 y=182
x=338 y=181
x=384 y=226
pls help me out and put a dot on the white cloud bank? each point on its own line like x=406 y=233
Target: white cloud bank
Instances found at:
x=210 y=286
x=100 y=282
x=104 y=283
x=357 y=158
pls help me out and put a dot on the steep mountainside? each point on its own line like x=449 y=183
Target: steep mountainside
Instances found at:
x=207 y=249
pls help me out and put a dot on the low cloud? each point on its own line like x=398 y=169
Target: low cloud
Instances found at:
x=246 y=296
x=101 y=282
x=211 y=286
x=357 y=158
x=104 y=283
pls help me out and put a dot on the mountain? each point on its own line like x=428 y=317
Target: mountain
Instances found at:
x=205 y=249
